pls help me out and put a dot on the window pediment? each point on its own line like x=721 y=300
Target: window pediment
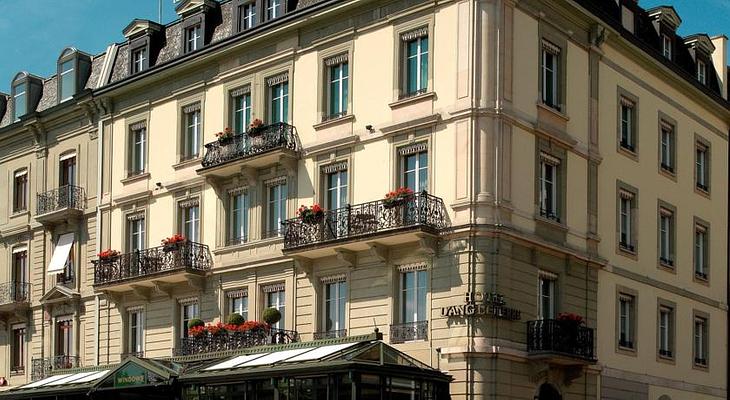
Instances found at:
x=189 y=7
x=666 y=15
x=140 y=27
x=700 y=43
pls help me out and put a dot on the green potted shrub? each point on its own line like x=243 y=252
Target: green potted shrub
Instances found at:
x=271 y=316
x=236 y=319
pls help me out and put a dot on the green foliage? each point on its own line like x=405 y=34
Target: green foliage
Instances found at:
x=271 y=316
x=195 y=322
x=236 y=319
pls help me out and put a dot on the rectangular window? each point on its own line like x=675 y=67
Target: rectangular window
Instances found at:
x=20 y=191
x=627 y=125
x=626 y=321
x=17 y=362
x=67 y=80
x=188 y=310
x=247 y=15
x=548 y=187
x=136 y=232
x=550 y=75
x=626 y=221
x=69 y=268
x=546 y=296
x=20 y=272
x=139 y=58
x=136 y=332
x=667 y=46
x=666 y=232
x=239 y=218
x=336 y=190
x=414 y=168
x=334 y=305
x=701 y=72
x=138 y=138
x=666 y=325
x=238 y=303
x=279 y=95
x=338 y=87
x=64 y=337
x=67 y=171
x=413 y=286
x=276 y=208
x=241 y=111
x=666 y=149
x=416 y=65
x=702 y=170
x=192 y=135
x=193 y=38
x=700 y=341
x=274 y=9
x=276 y=298
x=190 y=220
x=20 y=101
x=701 y=252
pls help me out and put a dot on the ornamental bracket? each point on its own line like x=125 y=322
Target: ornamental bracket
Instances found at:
x=379 y=251
x=346 y=258
x=142 y=291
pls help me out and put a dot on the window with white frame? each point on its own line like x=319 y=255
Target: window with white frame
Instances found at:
x=550 y=65
x=666 y=327
x=278 y=98
x=67 y=170
x=546 y=295
x=667 y=46
x=20 y=272
x=135 y=318
x=626 y=321
x=20 y=191
x=415 y=58
x=627 y=139
x=20 y=100
x=701 y=72
x=414 y=166
x=193 y=37
x=666 y=232
x=136 y=232
x=247 y=16
x=189 y=214
x=627 y=205
x=238 y=224
x=18 y=351
x=274 y=9
x=238 y=302
x=549 y=175
x=666 y=148
x=65 y=339
x=702 y=167
x=413 y=292
x=335 y=298
x=700 y=341
x=337 y=86
x=336 y=186
x=188 y=310
x=701 y=252
x=275 y=297
x=138 y=148
x=191 y=131
x=241 y=108
x=67 y=80
x=276 y=206
x=139 y=59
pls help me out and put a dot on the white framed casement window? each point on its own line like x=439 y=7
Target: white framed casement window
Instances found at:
x=550 y=65
x=667 y=46
x=136 y=232
x=238 y=302
x=138 y=148
x=413 y=294
x=666 y=149
x=665 y=327
x=193 y=37
x=20 y=100
x=627 y=140
x=139 y=59
x=546 y=295
x=239 y=208
x=626 y=321
x=18 y=349
x=277 y=193
x=414 y=166
x=20 y=190
x=67 y=79
x=700 y=252
x=189 y=215
x=135 y=318
x=65 y=338
x=278 y=98
x=666 y=245
x=338 y=75
x=241 y=109
x=189 y=310
x=191 y=138
x=415 y=62
x=626 y=220
x=247 y=16
x=700 y=343
x=274 y=9
x=334 y=303
x=702 y=170
x=336 y=188
x=275 y=297
x=549 y=170
x=702 y=72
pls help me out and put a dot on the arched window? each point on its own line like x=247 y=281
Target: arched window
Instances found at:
x=20 y=96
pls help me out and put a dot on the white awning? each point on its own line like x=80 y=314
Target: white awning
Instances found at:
x=60 y=253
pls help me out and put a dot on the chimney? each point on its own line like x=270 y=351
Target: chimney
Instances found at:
x=719 y=60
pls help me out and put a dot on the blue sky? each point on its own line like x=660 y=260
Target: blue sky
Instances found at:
x=35 y=31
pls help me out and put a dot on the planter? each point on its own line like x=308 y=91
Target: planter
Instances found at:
x=171 y=247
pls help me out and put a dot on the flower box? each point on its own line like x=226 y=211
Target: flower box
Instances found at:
x=311 y=215
x=397 y=197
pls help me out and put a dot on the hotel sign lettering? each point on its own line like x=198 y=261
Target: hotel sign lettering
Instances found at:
x=477 y=304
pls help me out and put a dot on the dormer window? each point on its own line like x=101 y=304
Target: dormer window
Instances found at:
x=67 y=80
x=274 y=9
x=145 y=39
x=247 y=16
x=193 y=38
x=74 y=68
x=20 y=100
x=667 y=46
x=139 y=59
x=702 y=72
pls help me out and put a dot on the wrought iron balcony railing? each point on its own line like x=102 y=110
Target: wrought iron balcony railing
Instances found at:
x=41 y=367
x=565 y=338
x=352 y=221
x=14 y=292
x=335 y=334
x=409 y=332
x=188 y=256
x=64 y=197
x=208 y=343
x=249 y=144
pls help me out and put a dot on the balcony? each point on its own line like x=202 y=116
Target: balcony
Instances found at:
x=409 y=332
x=207 y=343
x=14 y=297
x=42 y=367
x=350 y=227
x=560 y=342
x=62 y=204
x=266 y=146
x=157 y=267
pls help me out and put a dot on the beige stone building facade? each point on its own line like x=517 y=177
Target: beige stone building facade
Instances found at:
x=563 y=157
